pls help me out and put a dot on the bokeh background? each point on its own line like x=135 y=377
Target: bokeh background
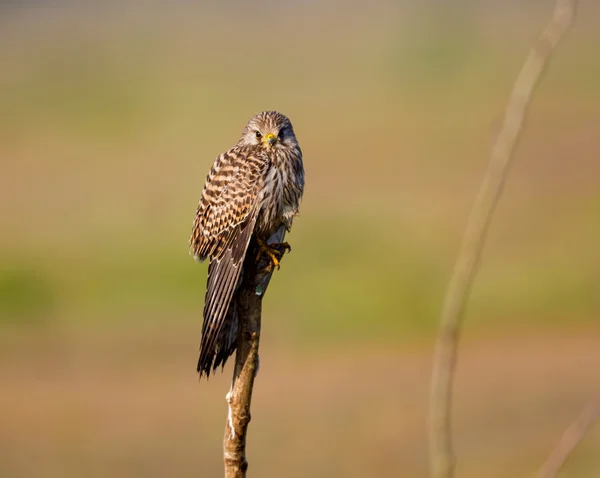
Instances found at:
x=111 y=114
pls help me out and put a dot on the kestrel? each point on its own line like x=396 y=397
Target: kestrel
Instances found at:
x=250 y=192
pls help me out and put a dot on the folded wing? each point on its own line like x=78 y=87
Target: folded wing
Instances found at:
x=222 y=230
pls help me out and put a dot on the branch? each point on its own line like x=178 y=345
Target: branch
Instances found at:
x=571 y=437
x=440 y=440
x=249 y=303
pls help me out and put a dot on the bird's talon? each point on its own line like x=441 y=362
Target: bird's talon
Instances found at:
x=272 y=251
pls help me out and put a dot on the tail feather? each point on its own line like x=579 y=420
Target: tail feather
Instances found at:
x=219 y=341
x=228 y=340
x=219 y=330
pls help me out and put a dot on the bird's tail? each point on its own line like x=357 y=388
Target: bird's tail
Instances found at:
x=220 y=329
x=223 y=347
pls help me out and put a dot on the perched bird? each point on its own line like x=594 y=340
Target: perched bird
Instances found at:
x=250 y=192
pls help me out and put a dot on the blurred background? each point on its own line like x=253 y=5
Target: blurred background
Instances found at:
x=111 y=114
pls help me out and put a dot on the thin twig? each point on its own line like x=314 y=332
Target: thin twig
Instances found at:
x=249 y=303
x=571 y=437
x=440 y=440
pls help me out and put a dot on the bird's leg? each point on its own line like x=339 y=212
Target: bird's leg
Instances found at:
x=272 y=250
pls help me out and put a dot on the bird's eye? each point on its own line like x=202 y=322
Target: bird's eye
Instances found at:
x=258 y=134
x=281 y=132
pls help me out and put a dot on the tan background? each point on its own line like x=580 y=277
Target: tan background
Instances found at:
x=110 y=117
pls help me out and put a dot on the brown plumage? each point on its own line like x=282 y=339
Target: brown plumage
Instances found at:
x=251 y=191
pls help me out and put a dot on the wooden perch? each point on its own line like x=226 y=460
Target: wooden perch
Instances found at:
x=440 y=439
x=249 y=302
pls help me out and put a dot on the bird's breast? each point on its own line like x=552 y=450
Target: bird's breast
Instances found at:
x=277 y=208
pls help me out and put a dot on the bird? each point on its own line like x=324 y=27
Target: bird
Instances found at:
x=251 y=191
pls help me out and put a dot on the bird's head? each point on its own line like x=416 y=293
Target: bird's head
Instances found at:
x=269 y=129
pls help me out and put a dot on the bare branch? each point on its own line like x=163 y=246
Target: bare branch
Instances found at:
x=249 y=302
x=440 y=440
x=571 y=437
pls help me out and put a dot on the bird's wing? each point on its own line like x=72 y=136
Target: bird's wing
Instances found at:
x=227 y=198
x=222 y=229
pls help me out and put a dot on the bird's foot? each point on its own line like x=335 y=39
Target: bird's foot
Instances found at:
x=273 y=251
x=285 y=246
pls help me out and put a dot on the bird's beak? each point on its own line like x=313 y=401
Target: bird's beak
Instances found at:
x=270 y=139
